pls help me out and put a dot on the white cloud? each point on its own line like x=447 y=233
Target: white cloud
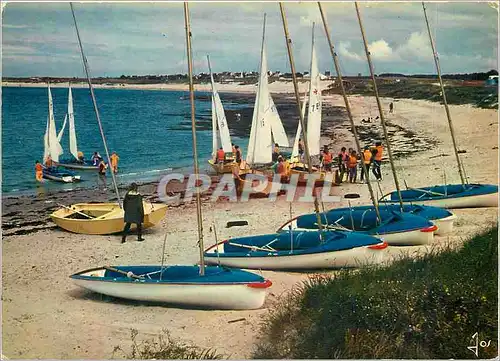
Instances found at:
x=380 y=49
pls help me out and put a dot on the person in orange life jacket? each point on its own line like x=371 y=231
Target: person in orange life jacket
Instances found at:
x=341 y=158
x=353 y=166
x=38 y=171
x=221 y=155
x=133 y=212
x=114 y=162
x=377 y=160
x=238 y=155
x=326 y=158
x=276 y=152
x=367 y=160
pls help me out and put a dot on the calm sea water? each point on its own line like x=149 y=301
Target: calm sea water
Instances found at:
x=150 y=131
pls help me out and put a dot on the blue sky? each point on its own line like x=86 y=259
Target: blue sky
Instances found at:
x=38 y=39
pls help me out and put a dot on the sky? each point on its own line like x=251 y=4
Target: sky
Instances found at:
x=39 y=39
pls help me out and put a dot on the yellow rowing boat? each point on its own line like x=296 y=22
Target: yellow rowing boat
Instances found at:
x=103 y=218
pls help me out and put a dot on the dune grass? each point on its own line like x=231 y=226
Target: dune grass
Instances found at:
x=416 y=308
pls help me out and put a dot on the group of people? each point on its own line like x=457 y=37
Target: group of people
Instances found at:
x=348 y=162
x=96 y=160
x=221 y=156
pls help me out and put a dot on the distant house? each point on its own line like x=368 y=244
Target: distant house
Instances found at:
x=492 y=80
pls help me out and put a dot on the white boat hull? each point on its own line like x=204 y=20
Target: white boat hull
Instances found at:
x=216 y=296
x=355 y=257
x=445 y=225
x=408 y=238
x=477 y=201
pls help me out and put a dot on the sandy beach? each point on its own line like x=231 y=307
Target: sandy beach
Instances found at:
x=46 y=316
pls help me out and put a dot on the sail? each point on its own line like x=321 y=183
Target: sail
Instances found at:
x=46 y=141
x=55 y=149
x=61 y=132
x=277 y=129
x=260 y=143
x=295 y=150
x=73 y=148
x=225 y=138
x=314 y=111
x=214 y=129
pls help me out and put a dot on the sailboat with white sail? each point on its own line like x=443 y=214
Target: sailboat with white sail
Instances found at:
x=197 y=285
x=53 y=149
x=220 y=130
x=267 y=128
x=464 y=195
x=314 y=112
x=76 y=162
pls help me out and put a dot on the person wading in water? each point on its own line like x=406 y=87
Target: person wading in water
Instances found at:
x=134 y=212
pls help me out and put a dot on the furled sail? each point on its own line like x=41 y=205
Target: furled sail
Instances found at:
x=73 y=148
x=314 y=111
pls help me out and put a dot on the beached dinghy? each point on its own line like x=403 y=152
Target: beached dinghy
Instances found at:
x=298 y=250
x=59 y=175
x=441 y=217
x=103 y=218
x=219 y=287
x=449 y=196
x=395 y=228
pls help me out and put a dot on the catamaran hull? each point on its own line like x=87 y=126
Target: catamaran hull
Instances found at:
x=229 y=296
x=62 y=179
x=77 y=166
x=444 y=225
x=355 y=257
x=476 y=201
x=110 y=222
x=405 y=238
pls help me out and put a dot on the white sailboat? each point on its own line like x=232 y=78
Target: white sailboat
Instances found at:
x=267 y=127
x=53 y=148
x=220 y=130
x=74 y=162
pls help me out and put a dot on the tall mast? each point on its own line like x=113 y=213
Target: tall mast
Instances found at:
x=348 y=108
x=382 y=118
x=87 y=72
x=438 y=68
x=301 y=116
x=193 y=129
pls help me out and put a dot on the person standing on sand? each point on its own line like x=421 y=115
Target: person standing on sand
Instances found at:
x=367 y=160
x=391 y=107
x=114 y=162
x=341 y=157
x=238 y=182
x=353 y=167
x=101 y=176
x=38 y=171
x=134 y=212
x=238 y=154
x=377 y=160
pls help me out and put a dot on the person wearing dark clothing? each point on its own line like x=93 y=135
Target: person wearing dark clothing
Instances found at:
x=377 y=160
x=391 y=108
x=238 y=154
x=342 y=159
x=134 y=212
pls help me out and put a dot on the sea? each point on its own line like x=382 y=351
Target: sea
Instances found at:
x=150 y=131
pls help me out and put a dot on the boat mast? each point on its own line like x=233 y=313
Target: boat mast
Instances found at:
x=382 y=118
x=86 y=66
x=193 y=129
x=348 y=109
x=301 y=116
x=438 y=68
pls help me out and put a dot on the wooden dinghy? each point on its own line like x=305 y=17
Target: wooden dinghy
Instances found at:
x=441 y=217
x=218 y=288
x=298 y=250
x=103 y=218
x=395 y=228
x=449 y=196
x=60 y=175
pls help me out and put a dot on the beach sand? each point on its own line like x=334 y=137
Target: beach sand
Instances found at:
x=46 y=316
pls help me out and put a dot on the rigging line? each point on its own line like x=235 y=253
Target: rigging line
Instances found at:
x=87 y=72
x=193 y=129
x=348 y=110
x=301 y=118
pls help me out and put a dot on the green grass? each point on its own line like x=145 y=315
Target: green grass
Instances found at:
x=164 y=347
x=479 y=96
x=415 y=308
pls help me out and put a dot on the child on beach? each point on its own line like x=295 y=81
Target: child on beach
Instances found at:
x=353 y=167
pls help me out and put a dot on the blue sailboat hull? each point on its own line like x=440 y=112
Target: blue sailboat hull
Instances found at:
x=395 y=227
x=298 y=250
x=58 y=175
x=74 y=164
x=219 y=287
x=449 y=196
